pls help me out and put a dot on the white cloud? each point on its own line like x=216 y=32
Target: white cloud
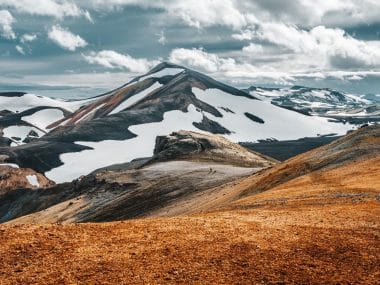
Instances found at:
x=20 y=49
x=325 y=47
x=65 y=39
x=253 y=49
x=281 y=73
x=6 y=21
x=114 y=60
x=200 y=59
x=195 y=13
x=162 y=38
x=53 y=8
x=28 y=38
x=237 y=14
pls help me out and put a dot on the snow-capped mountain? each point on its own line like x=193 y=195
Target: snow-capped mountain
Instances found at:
x=68 y=139
x=319 y=101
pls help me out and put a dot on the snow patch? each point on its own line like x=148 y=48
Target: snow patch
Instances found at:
x=164 y=72
x=33 y=180
x=13 y=165
x=135 y=98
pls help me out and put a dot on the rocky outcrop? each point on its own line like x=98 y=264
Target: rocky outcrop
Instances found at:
x=205 y=146
x=12 y=178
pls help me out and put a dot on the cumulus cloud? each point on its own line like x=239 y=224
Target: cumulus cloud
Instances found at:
x=25 y=38
x=239 y=13
x=195 y=13
x=53 y=8
x=65 y=39
x=324 y=45
x=6 y=21
x=20 y=49
x=114 y=60
x=200 y=59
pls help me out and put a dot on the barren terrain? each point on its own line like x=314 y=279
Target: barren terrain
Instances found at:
x=313 y=219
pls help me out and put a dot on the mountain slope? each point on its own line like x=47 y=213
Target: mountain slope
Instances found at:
x=320 y=225
x=186 y=165
x=349 y=165
x=167 y=99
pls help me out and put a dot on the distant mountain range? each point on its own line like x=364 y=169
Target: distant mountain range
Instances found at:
x=67 y=139
x=322 y=102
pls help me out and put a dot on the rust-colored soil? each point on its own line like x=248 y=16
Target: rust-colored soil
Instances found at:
x=247 y=247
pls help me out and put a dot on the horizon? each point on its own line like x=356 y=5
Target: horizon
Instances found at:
x=75 y=49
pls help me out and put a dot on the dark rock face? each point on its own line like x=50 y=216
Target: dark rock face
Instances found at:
x=5 y=142
x=254 y=118
x=12 y=94
x=33 y=134
x=211 y=126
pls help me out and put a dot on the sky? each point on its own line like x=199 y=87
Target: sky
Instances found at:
x=81 y=48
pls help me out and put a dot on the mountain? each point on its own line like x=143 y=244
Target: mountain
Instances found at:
x=185 y=167
x=322 y=102
x=309 y=220
x=65 y=140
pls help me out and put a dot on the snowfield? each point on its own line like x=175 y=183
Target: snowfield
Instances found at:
x=109 y=152
x=44 y=118
x=280 y=123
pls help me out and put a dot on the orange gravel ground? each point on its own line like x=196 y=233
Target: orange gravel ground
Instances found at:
x=338 y=244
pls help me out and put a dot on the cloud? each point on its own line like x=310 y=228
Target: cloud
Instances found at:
x=65 y=39
x=162 y=38
x=28 y=38
x=20 y=49
x=238 y=72
x=238 y=14
x=6 y=21
x=253 y=49
x=54 y=8
x=114 y=60
x=195 y=13
x=200 y=59
x=319 y=47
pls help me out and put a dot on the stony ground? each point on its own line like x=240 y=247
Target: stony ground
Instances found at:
x=247 y=247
